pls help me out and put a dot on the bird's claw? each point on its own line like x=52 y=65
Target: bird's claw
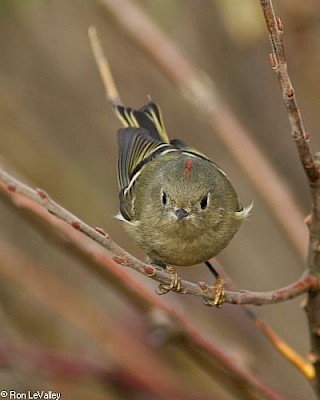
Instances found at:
x=174 y=284
x=219 y=297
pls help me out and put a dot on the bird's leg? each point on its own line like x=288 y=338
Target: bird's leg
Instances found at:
x=175 y=280
x=218 y=287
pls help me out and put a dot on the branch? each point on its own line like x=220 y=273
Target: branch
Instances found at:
x=311 y=169
x=279 y=64
x=12 y=187
x=112 y=93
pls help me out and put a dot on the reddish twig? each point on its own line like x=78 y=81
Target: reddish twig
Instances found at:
x=311 y=168
x=302 y=285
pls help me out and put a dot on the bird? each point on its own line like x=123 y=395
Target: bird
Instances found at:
x=176 y=203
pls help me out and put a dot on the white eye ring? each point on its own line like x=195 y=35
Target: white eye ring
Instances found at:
x=204 y=201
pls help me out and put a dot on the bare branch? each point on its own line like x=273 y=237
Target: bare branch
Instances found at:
x=311 y=168
x=112 y=93
x=279 y=64
x=12 y=186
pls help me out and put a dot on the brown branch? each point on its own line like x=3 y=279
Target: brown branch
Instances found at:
x=313 y=264
x=279 y=64
x=112 y=93
x=31 y=202
x=311 y=168
x=13 y=187
x=200 y=91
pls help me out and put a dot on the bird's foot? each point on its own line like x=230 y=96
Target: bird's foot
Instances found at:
x=174 y=284
x=219 y=297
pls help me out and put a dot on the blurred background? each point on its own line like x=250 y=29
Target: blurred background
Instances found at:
x=58 y=133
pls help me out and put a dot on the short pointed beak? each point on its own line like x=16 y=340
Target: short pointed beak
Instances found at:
x=181 y=213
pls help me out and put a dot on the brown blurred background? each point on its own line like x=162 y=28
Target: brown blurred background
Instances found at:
x=58 y=133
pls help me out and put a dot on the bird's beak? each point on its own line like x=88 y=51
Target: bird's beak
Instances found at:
x=181 y=213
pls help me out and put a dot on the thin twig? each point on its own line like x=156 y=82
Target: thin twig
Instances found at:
x=112 y=93
x=311 y=167
x=306 y=368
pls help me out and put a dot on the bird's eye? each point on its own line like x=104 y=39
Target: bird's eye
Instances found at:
x=204 y=202
x=164 y=198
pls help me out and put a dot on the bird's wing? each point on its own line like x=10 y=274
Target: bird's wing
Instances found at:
x=136 y=148
x=148 y=117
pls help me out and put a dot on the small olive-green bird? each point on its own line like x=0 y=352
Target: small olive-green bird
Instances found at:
x=175 y=202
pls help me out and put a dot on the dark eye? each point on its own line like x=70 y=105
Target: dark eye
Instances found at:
x=204 y=202
x=164 y=198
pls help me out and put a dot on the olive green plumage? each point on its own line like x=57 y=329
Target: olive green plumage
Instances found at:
x=176 y=203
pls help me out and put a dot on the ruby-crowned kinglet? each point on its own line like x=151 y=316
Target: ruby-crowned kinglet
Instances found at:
x=175 y=202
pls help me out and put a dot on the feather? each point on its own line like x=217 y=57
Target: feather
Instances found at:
x=136 y=147
x=244 y=212
x=148 y=117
